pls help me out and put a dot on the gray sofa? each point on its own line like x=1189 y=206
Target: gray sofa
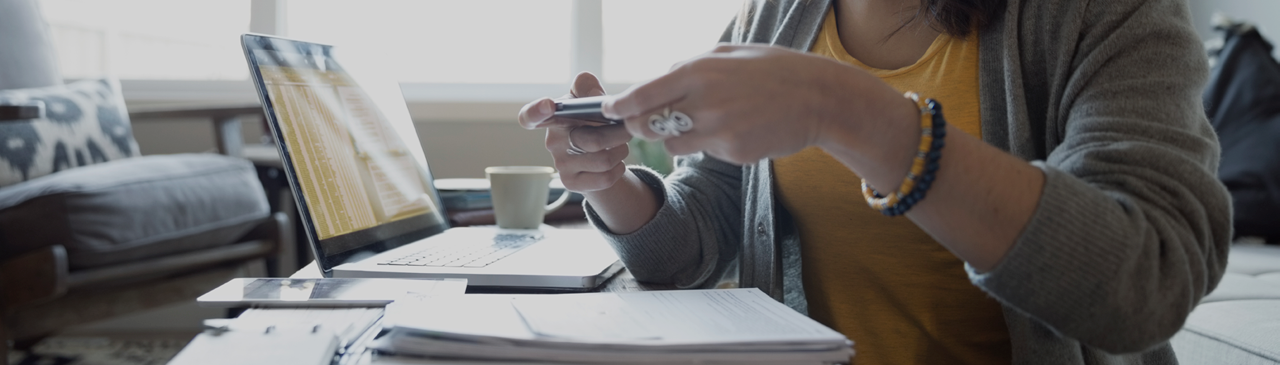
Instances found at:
x=1239 y=323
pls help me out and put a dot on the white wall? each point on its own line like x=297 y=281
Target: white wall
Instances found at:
x=1263 y=13
x=459 y=139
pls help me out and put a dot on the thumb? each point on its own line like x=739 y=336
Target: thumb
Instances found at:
x=586 y=84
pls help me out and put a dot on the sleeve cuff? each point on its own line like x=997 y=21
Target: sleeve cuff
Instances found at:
x=656 y=252
x=1069 y=243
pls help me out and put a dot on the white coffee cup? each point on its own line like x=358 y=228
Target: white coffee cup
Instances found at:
x=520 y=195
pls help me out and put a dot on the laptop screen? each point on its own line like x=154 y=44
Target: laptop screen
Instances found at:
x=349 y=148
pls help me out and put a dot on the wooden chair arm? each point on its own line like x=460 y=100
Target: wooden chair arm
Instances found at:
x=265 y=240
x=280 y=230
x=33 y=277
x=171 y=264
x=21 y=112
x=196 y=112
x=226 y=122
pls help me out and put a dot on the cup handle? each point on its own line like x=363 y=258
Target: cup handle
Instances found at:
x=564 y=197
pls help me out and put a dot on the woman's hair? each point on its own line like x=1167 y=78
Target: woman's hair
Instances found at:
x=958 y=17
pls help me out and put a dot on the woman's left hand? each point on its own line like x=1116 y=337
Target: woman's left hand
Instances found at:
x=749 y=102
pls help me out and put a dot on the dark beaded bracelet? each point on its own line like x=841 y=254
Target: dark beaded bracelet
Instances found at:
x=923 y=181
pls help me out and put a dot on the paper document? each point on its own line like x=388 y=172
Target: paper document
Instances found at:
x=604 y=317
x=670 y=317
x=279 y=346
x=680 y=326
x=409 y=344
x=346 y=323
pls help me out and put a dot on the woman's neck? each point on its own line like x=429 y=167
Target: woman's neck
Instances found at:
x=873 y=32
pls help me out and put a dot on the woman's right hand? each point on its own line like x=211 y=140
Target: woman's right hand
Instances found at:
x=606 y=146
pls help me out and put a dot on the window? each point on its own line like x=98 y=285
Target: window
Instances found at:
x=496 y=50
x=149 y=39
x=642 y=39
x=496 y=41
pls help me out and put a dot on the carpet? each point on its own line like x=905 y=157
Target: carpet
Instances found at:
x=101 y=351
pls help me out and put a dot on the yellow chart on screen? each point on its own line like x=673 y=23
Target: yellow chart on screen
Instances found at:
x=354 y=170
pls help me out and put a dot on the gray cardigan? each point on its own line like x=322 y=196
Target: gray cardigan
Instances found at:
x=1131 y=230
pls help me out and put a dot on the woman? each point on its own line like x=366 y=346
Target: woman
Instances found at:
x=1074 y=186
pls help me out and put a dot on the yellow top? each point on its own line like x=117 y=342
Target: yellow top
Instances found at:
x=883 y=282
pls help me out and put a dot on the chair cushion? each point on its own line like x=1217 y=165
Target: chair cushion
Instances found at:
x=1254 y=260
x=1253 y=272
x=1236 y=286
x=1231 y=332
x=85 y=123
x=133 y=209
x=1239 y=322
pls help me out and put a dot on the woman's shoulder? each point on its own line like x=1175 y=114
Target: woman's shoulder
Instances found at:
x=1042 y=31
x=1063 y=17
x=788 y=23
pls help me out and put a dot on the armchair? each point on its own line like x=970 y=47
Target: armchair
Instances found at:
x=90 y=230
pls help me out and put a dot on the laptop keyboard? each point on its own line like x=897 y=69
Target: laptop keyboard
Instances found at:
x=467 y=254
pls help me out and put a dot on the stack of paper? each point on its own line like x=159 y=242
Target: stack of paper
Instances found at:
x=657 y=327
x=278 y=336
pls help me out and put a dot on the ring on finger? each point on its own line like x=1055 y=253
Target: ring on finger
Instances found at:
x=670 y=123
x=573 y=149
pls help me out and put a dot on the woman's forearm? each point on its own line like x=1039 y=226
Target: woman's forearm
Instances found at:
x=980 y=200
x=626 y=206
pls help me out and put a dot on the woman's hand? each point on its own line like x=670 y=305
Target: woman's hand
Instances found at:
x=606 y=146
x=749 y=102
x=623 y=202
x=752 y=102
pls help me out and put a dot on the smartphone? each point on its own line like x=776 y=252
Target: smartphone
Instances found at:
x=279 y=292
x=587 y=109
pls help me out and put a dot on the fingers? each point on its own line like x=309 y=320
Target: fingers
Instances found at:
x=655 y=124
x=541 y=113
x=639 y=126
x=605 y=146
x=704 y=136
x=533 y=114
x=674 y=86
x=593 y=181
x=729 y=47
x=595 y=139
x=653 y=95
x=586 y=84
x=591 y=162
x=593 y=170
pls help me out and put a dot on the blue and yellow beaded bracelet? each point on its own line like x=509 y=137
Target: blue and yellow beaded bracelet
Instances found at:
x=924 y=168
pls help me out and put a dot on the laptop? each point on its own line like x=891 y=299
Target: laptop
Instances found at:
x=364 y=190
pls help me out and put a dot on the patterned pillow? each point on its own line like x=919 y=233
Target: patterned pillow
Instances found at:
x=85 y=123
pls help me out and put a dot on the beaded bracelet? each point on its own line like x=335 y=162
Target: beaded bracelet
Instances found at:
x=924 y=168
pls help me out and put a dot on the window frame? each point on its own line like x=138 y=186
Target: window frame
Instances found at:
x=269 y=17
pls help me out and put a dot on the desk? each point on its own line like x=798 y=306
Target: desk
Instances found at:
x=623 y=281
